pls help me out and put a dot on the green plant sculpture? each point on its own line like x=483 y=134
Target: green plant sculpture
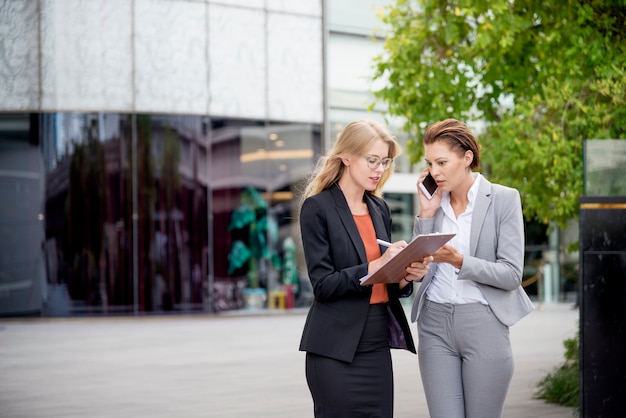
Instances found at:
x=257 y=234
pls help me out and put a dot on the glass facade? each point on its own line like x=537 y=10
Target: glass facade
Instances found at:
x=604 y=164
x=111 y=213
x=151 y=153
x=22 y=276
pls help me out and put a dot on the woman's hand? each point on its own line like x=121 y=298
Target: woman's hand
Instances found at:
x=449 y=254
x=427 y=207
x=389 y=253
x=418 y=269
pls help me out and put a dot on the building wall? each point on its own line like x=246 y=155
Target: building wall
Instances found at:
x=356 y=37
x=245 y=59
x=144 y=124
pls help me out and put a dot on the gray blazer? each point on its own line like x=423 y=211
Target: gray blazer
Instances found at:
x=496 y=258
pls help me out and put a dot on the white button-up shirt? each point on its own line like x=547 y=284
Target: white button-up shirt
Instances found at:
x=445 y=286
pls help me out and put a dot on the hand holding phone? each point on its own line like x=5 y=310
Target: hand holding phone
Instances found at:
x=428 y=186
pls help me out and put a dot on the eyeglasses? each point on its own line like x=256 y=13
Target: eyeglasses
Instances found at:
x=373 y=161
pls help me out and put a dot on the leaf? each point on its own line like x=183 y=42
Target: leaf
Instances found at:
x=238 y=256
x=251 y=197
x=242 y=216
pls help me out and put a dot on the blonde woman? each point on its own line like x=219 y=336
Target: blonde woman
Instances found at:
x=350 y=328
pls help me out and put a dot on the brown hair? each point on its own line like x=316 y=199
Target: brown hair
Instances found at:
x=458 y=137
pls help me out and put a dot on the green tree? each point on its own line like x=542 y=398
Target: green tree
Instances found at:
x=542 y=75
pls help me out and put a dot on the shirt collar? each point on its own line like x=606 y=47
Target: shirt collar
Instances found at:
x=473 y=191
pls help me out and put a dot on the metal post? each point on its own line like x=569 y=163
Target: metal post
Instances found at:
x=135 y=216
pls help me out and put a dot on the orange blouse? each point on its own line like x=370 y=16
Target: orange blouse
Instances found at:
x=366 y=229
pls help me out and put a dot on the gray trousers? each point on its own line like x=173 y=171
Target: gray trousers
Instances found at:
x=465 y=359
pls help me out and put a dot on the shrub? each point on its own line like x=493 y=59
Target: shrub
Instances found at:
x=561 y=386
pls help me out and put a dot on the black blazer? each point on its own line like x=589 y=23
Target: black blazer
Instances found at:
x=336 y=260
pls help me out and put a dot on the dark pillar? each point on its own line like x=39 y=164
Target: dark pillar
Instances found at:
x=603 y=306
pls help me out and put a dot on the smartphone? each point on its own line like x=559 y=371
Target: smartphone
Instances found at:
x=429 y=186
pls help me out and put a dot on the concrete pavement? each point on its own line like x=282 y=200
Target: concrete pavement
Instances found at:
x=221 y=366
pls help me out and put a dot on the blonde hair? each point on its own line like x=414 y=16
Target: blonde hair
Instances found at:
x=356 y=138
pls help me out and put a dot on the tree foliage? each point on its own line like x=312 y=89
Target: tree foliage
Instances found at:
x=542 y=76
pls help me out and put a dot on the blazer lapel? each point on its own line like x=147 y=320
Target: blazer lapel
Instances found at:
x=377 y=218
x=483 y=200
x=348 y=221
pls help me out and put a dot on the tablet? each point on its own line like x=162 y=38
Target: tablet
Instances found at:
x=395 y=269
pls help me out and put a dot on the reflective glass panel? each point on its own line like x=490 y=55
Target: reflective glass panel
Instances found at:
x=605 y=165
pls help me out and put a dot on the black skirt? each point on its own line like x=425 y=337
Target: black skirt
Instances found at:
x=362 y=388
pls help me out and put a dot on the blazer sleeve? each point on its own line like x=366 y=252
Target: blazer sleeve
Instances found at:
x=423 y=226
x=332 y=262
x=499 y=257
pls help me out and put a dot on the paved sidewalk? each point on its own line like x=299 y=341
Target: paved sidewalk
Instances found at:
x=226 y=366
